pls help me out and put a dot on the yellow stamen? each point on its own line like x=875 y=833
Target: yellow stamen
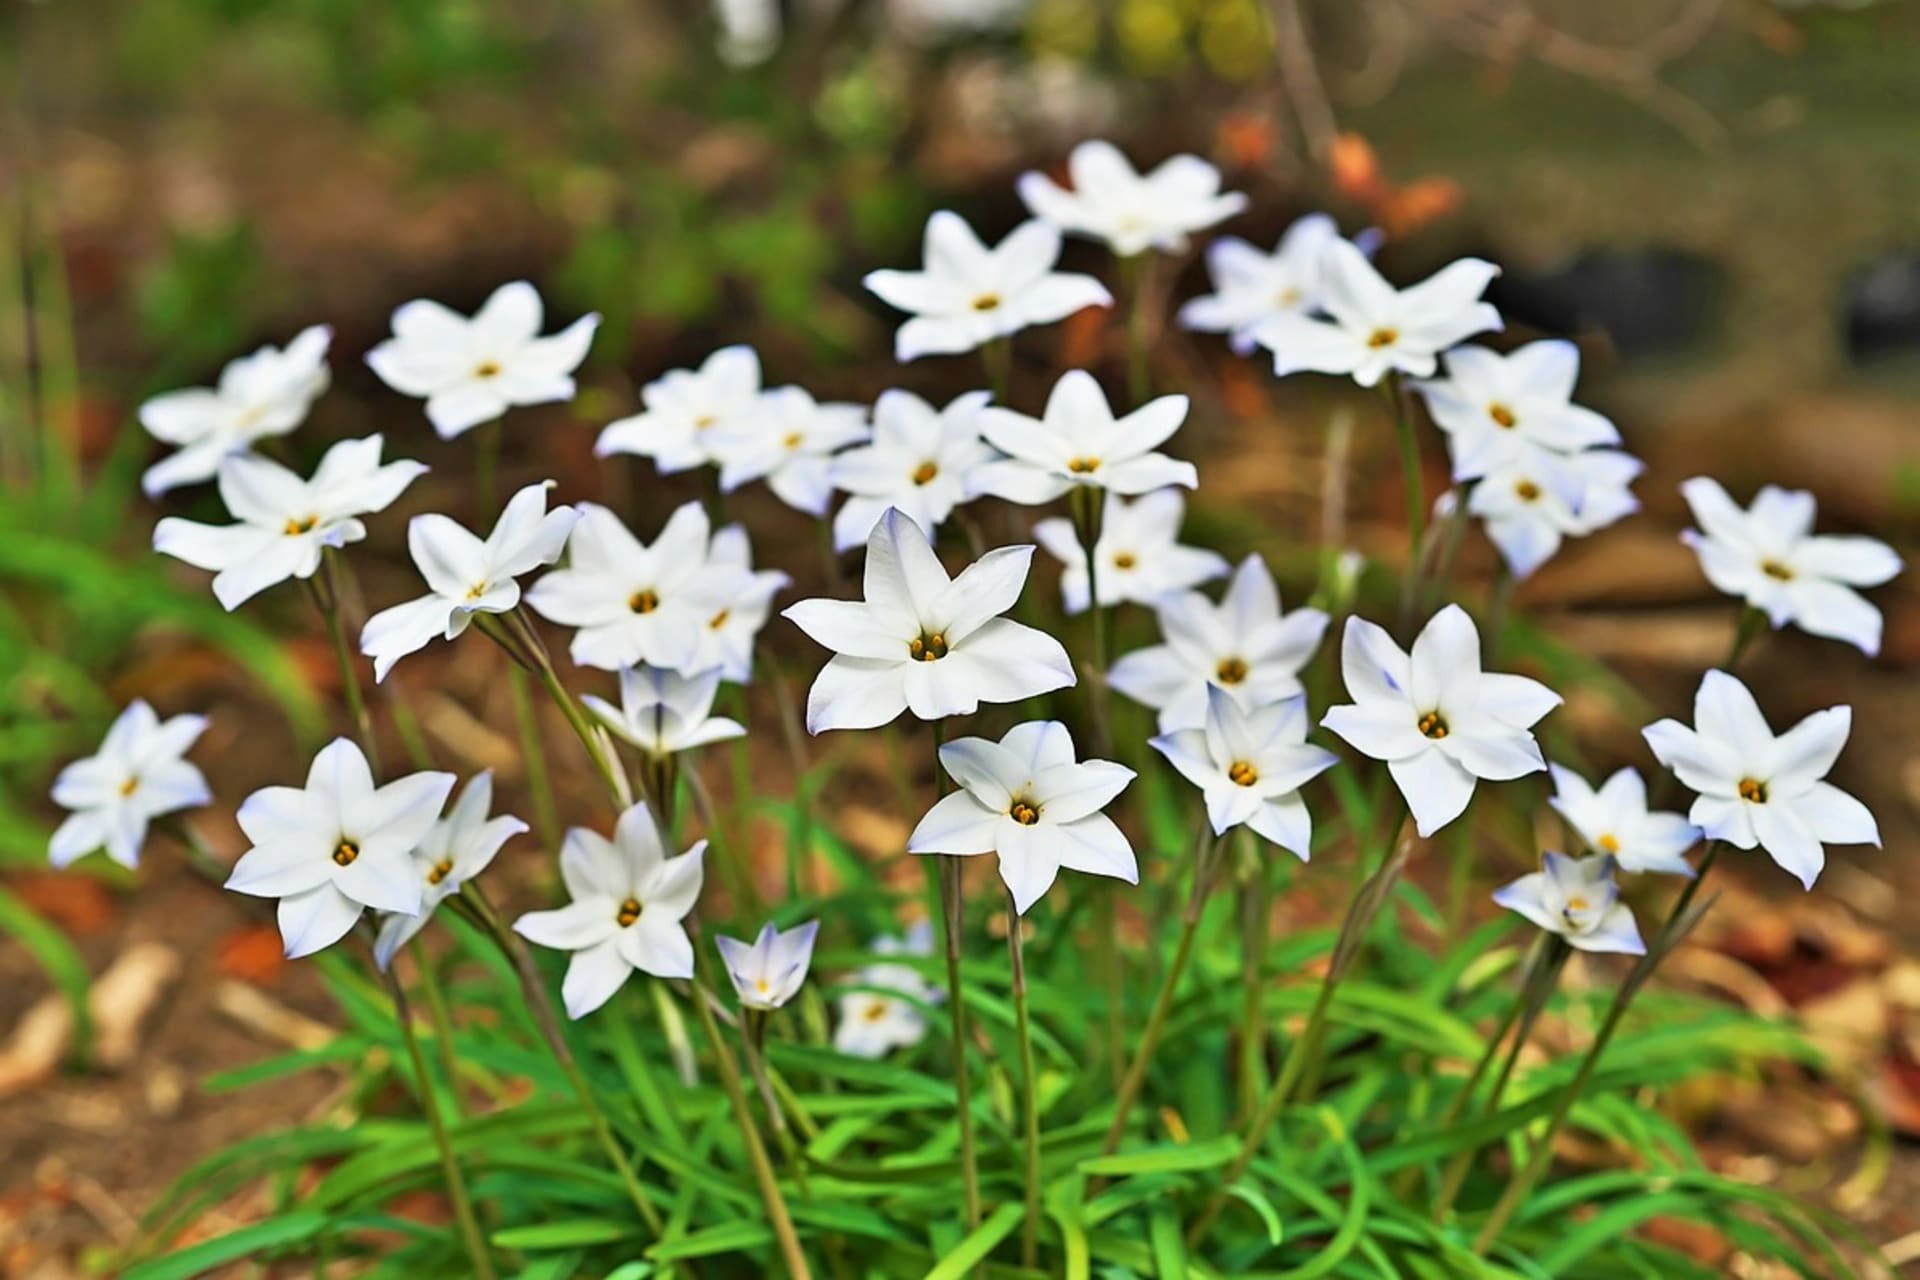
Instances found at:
x=1528 y=490
x=875 y=1011
x=1753 y=790
x=487 y=369
x=1243 y=774
x=1124 y=560
x=1434 y=725
x=1502 y=415
x=925 y=472
x=794 y=440
x=1609 y=843
x=629 y=912
x=130 y=786
x=1024 y=813
x=441 y=870
x=643 y=601
x=927 y=648
x=346 y=854
x=986 y=302
x=1231 y=671
x=1083 y=466
x=304 y=525
x=1383 y=338
x=1777 y=571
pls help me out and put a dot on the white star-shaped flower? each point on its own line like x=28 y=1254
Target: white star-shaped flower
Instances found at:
x=284 y=521
x=139 y=773
x=1138 y=551
x=1078 y=442
x=664 y=712
x=466 y=575
x=1027 y=800
x=337 y=846
x=472 y=370
x=689 y=413
x=1754 y=788
x=918 y=461
x=1769 y=556
x=1615 y=820
x=920 y=641
x=1578 y=899
x=727 y=640
x=1250 y=285
x=260 y=396
x=1244 y=644
x=1250 y=766
x=1497 y=410
x=635 y=604
x=1371 y=328
x=1527 y=509
x=457 y=848
x=790 y=444
x=1437 y=719
x=874 y=1022
x=965 y=295
x=768 y=973
x=628 y=902
x=1129 y=211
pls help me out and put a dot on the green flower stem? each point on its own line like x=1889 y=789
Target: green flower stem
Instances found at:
x=996 y=359
x=440 y=1019
x=1521 y=1183
x=534 y=992
x=1361 y=913
x=1205 y=871
x=517 y=635
x=952 y=918
x=326 y=596
x=464 y=1221
x=1254 y=930
x=1137 y=282
x=486 y=464
x=1087 y=505
x=1030 y=1092
x=1416 y=495
x=771 y=1198
x=533 y=750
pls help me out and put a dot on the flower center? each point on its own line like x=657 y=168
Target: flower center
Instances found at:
x=1434 y=725
x=876 y=1010
x=1231 y=671
x=130 y=786
x=705 y=421
x=643 y=601
x=1288 y=298
x=1124 y=560
x=477 y=590
x=760 y=985
x=1383 y=338
x=1574 y=904
x=986 y=302
x=1242 y=774
x=927 y=648
x=1502 y=416
x=719 y=619
x=304 y=525
x=1528 y=491
x=629 y=912
x=441 y=870
x=1753 y=790
x=1777 y=571
x=794 y=440
x=1083 y=466
x=925 y=472
x=1024 y=812
x=487 y=369
x=345 y=853
x=1609 y=842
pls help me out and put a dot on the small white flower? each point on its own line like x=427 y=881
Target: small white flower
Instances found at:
x=727 y=640
x=1249 y=285
x=664 y=712
x=1529 y=513
x=628 y=901
x=1577 y=899
x=1754 y=788
x=1244 y=644
x=472 y=370
x=966 y=295
x=139 y=773
x=1130 y=211
x=1371 y=327
x=919 y=462
x=1138 y=551
x=1025 y=799
x=872 y=1023
x=689 y=412
x=1769 y=556
x=635 y=604
x=337 y=846
x=1079 y=442
x=457 y=848
x=1615 y=820
x=284 y=521
x=920 y=641
x=768 y=974
x=1496 y=410
x=790 y=442
x=260 y=396
x=466 y=575
x=749 y=31
x=1250 y=766
x=1437 y=719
